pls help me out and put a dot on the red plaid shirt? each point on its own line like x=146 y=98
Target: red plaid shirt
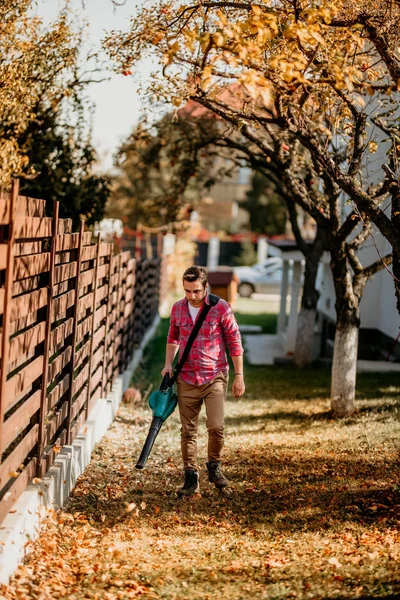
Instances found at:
x=207 y=356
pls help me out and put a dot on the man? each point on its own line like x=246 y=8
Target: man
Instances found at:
x=204 y=375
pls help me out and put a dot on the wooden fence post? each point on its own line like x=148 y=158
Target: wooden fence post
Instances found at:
x=138 y=247
x=5 y=340
x=149 y=247
x=75 y=330
x=159 y=244
x=103 y=377
x=46 y=357
x=93 y=325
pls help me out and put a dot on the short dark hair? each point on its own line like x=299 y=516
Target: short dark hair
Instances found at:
x=196 y=274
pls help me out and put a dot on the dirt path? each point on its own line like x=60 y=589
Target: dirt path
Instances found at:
x=314 y=513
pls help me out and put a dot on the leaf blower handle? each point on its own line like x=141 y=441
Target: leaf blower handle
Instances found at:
x=166 y=383
x=148 y=445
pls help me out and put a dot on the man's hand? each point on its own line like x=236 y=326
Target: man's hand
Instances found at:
x=238 y=387
x=167 y=369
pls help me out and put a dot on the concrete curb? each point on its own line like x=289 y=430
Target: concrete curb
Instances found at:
x=23 y=522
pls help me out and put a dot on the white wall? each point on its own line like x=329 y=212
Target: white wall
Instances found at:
x=378 y=304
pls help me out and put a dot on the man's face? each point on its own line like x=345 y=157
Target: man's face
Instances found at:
x=195 y=292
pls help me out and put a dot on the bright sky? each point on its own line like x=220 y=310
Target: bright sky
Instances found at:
x=117 y=103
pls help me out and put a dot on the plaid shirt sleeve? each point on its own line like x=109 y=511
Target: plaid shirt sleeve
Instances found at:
x=173 y=333
x=231 y=331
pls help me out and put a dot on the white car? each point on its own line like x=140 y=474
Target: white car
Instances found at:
x=262 y=278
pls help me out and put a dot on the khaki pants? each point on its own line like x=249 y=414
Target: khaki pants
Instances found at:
x=190 y=399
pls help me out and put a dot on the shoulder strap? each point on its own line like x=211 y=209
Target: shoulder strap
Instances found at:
x=204 y=312
x=214 y=299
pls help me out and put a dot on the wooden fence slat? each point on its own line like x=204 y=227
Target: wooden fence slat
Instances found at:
x=99 y=336
x=105 y=249
x=55 y=422
x=17 y=488
x=82 y=353
x=18 y=455
x=83 y=329
x=78 y=425
x=25 y=341
x=100 y=315
x=79 y=403
x=101 y=293
x=84 y=303
x=87 y=238
x=32 y=227
x=4 y=212
x=27 y=248
x=3 y=256
x=59 y=363
x=31 y=302
x=59 y=334
x=61 y=305
x=25 y=207
x=2 y=298
x=60 y=288
x=64 y=226
x=29 y=266
x=89 y=253
x=25 y=285
x=97 y=357
x=103 y=271
x=66 y=242
x=19 y=385
x=20 y=419
x=80 y=379
x=58 y=392
x=63 y=257
x=64 y=272
x=86 y=278
x=21 y=360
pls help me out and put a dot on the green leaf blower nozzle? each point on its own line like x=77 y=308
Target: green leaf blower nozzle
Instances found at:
x=163 y=403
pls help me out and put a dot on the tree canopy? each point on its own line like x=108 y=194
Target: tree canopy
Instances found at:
x=326 y=72
x=34 y=61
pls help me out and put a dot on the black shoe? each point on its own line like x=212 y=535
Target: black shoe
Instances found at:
x=191 y=485
x=215 y=475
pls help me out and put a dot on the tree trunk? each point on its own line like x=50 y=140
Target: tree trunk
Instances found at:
x=344 y=367
x=306 y=319
x=396 y=257
x=303 y=354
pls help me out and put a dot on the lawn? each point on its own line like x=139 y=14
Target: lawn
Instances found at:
x=315 y=509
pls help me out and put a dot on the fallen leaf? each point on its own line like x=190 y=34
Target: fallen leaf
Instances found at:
x=334 y=562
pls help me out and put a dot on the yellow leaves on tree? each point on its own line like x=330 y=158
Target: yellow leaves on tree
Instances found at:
x=33 y=60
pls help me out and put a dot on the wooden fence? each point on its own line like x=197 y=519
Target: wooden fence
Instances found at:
x=72 y=313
